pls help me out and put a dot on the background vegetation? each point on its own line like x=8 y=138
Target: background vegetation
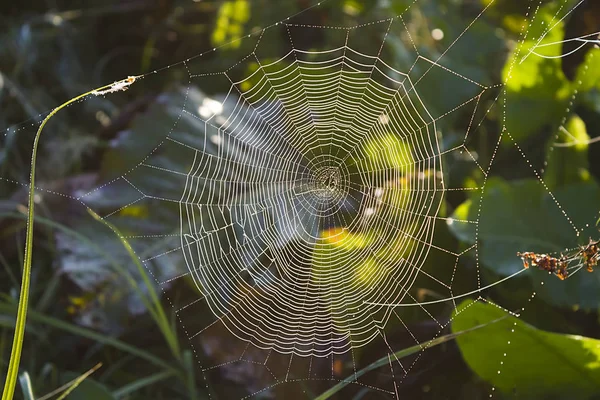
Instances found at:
x=92 y=302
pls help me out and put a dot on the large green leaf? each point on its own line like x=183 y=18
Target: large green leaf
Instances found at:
x=538 y=364
x=537 y=92
x=524 y=216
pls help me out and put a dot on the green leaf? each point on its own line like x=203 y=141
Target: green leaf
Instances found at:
x=230 y=22
x=588 y=72
x=536 y=89
x=537 y=92
x=538 y=364
x=390 y=151
x=523 y=216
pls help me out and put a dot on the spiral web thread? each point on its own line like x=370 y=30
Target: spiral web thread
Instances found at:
x=309 y=205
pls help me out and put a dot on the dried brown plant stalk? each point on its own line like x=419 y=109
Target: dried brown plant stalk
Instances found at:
x=585 y=256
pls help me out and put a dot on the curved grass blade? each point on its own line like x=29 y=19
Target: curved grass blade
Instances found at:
x=399 y=354
x=87 y=333
x=89 y=242
x=155 y=308
x=70 y=386
x=141 y=383
x=25 y=382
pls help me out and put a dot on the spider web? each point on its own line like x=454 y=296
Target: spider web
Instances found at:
x=310 y=200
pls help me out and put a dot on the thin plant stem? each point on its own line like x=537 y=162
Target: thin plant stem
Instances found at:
x=76 y=382
x=17 y=347
x=400 y=354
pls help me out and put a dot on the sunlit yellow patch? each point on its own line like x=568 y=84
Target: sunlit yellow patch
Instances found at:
x=135 y=211
x=367 y=271
x=514 y=22
x=397 y=195
x=470 y=183
x=536 y=59
x=341 y=238
x=390 y=151
x=353 y=7
x=230 y=22
x=245 y=86
x=78 y=301
x=397 y=249
x=575 y=132
x=584 y=174
x=253 y=78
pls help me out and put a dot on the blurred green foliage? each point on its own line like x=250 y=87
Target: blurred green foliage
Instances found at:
x=90 y=301
x=230 y=23
x=537 y=92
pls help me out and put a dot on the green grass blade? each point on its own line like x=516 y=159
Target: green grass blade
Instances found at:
x=78 y=381
x=8 y=321
x=25 y=382
x=399 y=354
x=17 y=347
x=115 y=265
x=87 y=333
x=158 y=311
x=191 y=382
x=141 y=383
x=70 y=385
x=15 y=355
